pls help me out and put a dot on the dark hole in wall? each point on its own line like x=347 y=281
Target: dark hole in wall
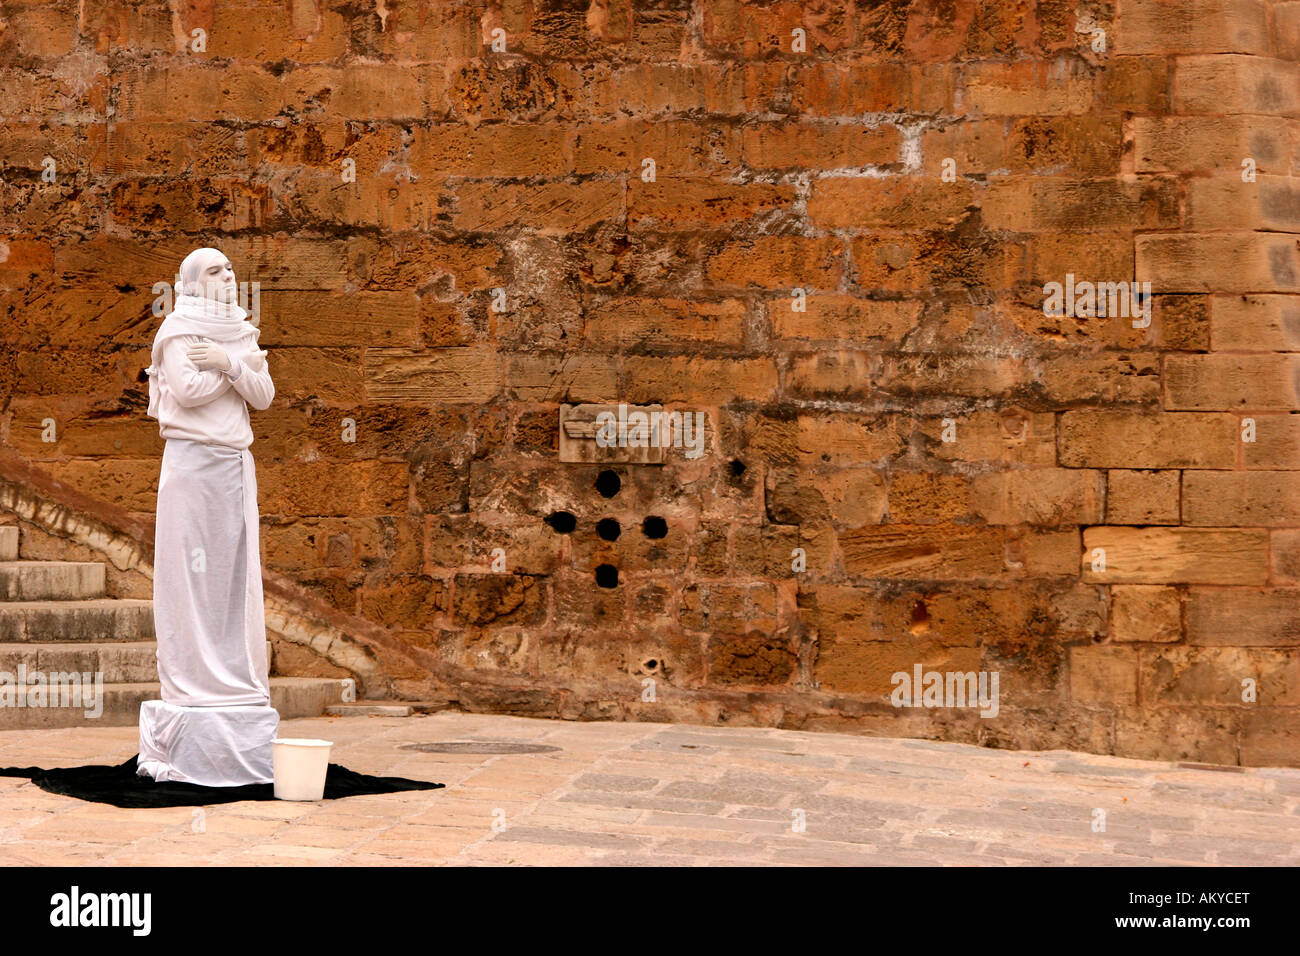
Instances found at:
x=736 y=467
x=654 y=527
x=608 y=483
x=608 y=529
x=607 y=575
x=920 y=618
x=561 y=521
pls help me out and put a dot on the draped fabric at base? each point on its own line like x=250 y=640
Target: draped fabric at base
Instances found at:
x=120 y=786
x=212 y=746
x=210 y=622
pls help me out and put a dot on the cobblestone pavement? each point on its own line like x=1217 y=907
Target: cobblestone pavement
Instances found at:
x=636 y=794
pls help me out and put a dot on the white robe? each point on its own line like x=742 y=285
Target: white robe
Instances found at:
x=215 y=722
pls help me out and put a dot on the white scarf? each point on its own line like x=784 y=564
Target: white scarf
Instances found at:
x=222 y=322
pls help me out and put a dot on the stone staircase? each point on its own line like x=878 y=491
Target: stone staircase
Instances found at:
x=55 y=616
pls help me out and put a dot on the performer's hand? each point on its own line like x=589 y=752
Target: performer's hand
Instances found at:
x=256 y=360
x=208 y=354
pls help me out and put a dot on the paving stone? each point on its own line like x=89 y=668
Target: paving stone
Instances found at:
x=785 y=814
x=660 y=746
x=129 y=857
x=558 y=837
x=819 y=802
x=737 y=823
x=425 y=852
x=746 y=796
x=198 y=845
x=86 y=831
x=727 y=740
x=361 y=858
x=318 y=837
x=810 y=857
x=1120 y=820
x=1222 y=799
x=796 y=760
x=332 y=818
x=1015 y=855
x=883 y=767
x=518 y=782
x=642 y=802
x=834 y=830
x=1006 y=823
x=837 y=831
x=947 y=845
x=613 y=782
x=656 y=859
x=1116 y=859
x=1067 y=812
x=632 y=795
x=711 y=848
x=290 y=855
x=1237 y=849
x=937 y=746
x=1077 y=768
x=517 y=853
x=772 y=781
x=1279 y=773
x=567 y=813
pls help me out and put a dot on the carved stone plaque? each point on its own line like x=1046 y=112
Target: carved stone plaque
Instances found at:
x=627 y=434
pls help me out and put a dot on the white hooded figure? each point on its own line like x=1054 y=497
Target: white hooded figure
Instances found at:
x=215 y=722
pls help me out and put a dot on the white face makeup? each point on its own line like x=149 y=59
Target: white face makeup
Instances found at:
x=208 y=273
x=218 y=281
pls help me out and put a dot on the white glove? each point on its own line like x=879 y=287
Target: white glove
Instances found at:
x=208 y=354
x=256 y=360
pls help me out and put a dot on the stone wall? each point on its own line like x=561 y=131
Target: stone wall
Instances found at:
x=831 y=227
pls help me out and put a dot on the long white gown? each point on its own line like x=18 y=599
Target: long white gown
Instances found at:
x=215 y=722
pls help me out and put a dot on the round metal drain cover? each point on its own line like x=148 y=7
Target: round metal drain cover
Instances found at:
x=481 y=747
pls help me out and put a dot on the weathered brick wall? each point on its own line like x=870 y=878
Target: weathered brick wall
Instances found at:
x=1106 y=516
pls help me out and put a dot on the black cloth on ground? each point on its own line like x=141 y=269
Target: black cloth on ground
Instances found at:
x=120 y=786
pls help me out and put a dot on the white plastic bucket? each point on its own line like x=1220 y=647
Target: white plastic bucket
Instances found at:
x=299 y=766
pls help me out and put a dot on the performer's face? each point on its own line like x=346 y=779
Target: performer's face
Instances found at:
x=218 y=280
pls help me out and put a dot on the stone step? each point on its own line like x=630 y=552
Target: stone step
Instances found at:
x=56 y=618
x=132 y=663
x=370 y=709
x=292 y=696
x=305 y=696
x=98 y=620
x=52 y=580
x=387 y=708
